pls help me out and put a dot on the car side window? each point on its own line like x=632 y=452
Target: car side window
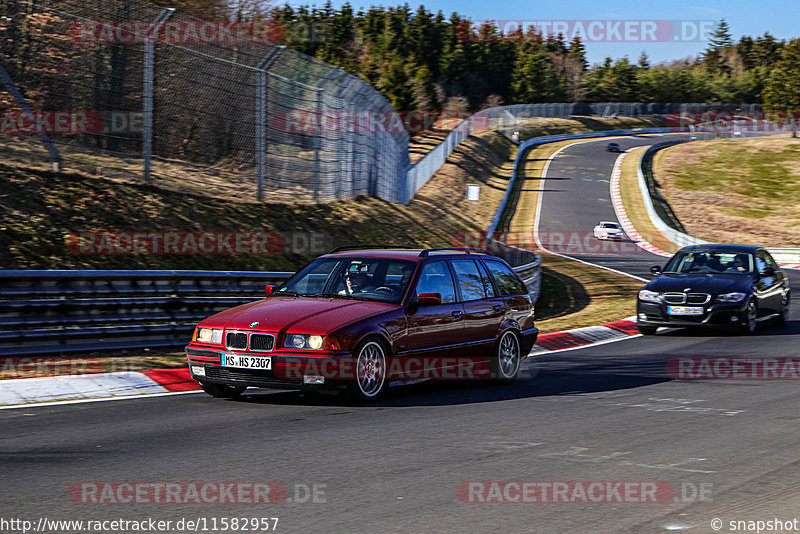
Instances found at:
x=436 y=278
x=469 y=280
x=487 y=281
x=506 y=280
x=761 y=262
x=770 y=261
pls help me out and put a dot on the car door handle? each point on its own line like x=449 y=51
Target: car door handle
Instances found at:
x=497 y=307
x=456 y=314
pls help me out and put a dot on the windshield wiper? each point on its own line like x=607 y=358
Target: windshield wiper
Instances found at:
x=287 y=293
x=336 y=296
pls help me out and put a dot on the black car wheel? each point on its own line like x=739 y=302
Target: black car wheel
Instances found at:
x=749 y=321
x=647 y=330
x=222 y=391
x=508 y=358
x=369 y=367
x=783 y=318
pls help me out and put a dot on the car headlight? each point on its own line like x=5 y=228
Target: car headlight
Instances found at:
x=649 y=296
x=303 y=341
x=209 y=335
x=731 y=297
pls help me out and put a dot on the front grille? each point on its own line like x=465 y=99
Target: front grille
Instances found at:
x=674 y=298
x=698 y=298
x=262 y=342
x=251 y=377
x=686 y=298
x=236 y=340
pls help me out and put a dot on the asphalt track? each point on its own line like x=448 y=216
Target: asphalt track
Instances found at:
x=603 y=413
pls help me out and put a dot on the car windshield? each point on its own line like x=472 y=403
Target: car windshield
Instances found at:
x=363 y=278
x=610 y=225
x=710 y=262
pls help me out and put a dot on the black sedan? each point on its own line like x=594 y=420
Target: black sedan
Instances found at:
x=714 y=285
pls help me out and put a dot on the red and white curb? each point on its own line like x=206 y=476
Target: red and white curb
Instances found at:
x=584 y=337
x=52 y=390
x=93 y=387
x=622 y=215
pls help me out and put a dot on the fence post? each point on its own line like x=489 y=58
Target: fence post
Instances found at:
x=261 y=116
x=342 y=153
x=9 y=83
x=317 y=166
x=149 y=56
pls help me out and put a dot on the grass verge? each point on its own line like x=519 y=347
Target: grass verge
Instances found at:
x=748 y=189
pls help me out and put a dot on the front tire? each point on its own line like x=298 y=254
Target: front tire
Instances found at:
x=507 y=357
x=222 y=391
x=783 y=318
x=749 y=321
x=369 y=366
x=647 y=330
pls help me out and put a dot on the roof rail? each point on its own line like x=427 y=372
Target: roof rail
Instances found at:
x=468 y=250
x=364 y=247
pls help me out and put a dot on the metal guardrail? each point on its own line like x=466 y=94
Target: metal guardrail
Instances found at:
x=47 y=312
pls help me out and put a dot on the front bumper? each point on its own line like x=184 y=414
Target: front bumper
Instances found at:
x=288 y=370
x=715 y=314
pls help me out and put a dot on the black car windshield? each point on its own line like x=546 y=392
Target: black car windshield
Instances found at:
x=710 y=262
x=363 y=278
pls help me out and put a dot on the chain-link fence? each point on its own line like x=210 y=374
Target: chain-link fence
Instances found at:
x=123 y=88
x=102 y=84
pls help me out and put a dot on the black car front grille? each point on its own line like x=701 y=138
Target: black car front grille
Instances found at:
x=698 y=298
x=262 y=342
x=236 y=340
x=686 y=298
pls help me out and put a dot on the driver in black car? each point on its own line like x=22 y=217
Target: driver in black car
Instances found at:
x=738 y=264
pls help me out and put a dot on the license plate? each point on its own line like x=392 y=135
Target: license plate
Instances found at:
x=245 y=362
x=684 y=310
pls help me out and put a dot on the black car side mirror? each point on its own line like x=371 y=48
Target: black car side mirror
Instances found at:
x=655 y=269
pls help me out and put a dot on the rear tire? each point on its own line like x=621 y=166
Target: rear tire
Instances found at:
x=222 y=391
x=647 y=330
x=507 y=358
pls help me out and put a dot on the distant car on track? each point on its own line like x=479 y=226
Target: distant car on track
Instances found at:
x=715 y=286
x=613 y=147
x=357 y=318
x=608 y=230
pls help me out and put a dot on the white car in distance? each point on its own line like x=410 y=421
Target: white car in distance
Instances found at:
x=608 y=230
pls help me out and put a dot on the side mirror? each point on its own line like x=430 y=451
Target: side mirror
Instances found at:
x=267 y=290
x=429 y=299
x=655 y=269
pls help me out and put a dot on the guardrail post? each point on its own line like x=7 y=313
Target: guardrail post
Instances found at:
x=149 y=57
x=261 y=116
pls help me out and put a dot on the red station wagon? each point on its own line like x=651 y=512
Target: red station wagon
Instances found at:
x=359 y=318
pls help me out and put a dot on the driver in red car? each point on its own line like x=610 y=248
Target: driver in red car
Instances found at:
x=357 y=282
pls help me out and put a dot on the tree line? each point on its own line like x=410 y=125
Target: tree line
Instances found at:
x=419 y=59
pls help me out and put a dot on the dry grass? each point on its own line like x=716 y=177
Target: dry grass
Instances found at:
x=747 y=188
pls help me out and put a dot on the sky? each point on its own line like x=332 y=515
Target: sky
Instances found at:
x=666 y=30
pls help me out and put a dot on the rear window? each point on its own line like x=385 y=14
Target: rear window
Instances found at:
x=505 y=279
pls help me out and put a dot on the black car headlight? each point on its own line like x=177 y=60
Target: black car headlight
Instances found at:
x=731 y=297
x=649 y=296
x=302 y=341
